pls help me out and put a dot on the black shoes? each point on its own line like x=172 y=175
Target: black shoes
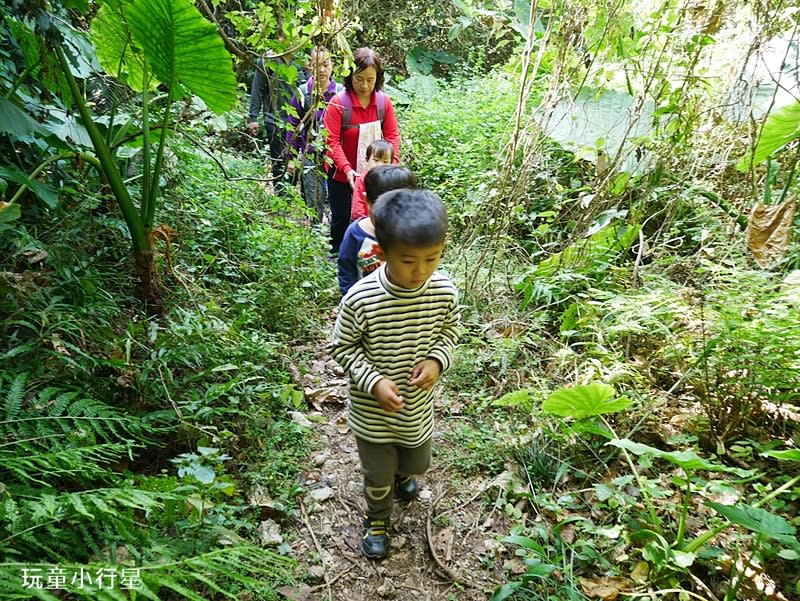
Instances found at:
x=405 y=488
x=375 y=543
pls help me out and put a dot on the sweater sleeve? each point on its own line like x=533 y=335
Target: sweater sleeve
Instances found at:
x=390 y=128
x=443 y=347
x=347 y=262
x=333 y=125
x=347 y=350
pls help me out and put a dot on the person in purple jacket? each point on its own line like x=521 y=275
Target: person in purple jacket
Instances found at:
x=359 y=253
x=305 y=144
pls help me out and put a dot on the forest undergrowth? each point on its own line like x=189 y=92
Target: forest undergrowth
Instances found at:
x=603 y=432
x=621 y=420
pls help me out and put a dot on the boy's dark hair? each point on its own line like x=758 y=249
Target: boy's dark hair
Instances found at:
x=412 y=216
x=380 y=146
x=362 y=59
x=383 y=178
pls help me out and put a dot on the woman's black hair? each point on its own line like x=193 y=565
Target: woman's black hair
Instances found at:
x=363 y=58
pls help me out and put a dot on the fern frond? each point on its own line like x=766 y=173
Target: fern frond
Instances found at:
x=87 y=463
x=12 y=404
x=247 y=565
x=174 y=585
x=12 y=585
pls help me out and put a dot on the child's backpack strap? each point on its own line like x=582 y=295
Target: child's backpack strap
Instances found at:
x=347 y=107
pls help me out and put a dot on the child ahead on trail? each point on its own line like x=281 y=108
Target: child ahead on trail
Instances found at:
x=359 y=252
x=379 y=152
x=394 y=336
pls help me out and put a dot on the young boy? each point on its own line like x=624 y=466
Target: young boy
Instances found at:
x=394 y=336
x=379 y=152
x=358 y=253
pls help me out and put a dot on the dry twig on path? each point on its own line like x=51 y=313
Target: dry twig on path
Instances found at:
x=444 y=567
x=306 y=521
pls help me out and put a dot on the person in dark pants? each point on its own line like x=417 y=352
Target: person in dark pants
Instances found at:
x=395 y=334
x=272 y=90
x=355 y=118
x=306 y=157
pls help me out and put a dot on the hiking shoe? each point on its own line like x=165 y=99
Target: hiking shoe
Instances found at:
x=375 y=543
x=405 y=488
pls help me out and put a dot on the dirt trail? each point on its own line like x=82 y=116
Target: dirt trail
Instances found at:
x=443 y=545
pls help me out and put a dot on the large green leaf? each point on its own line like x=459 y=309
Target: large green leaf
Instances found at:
x=688 y=460
x=780 y=128
x=183 y=49
x=9 y=212
x=787 y=455
x=585 y=400
x=43 y=191
x=758 y=520
x=118 y=56
x=15 y=121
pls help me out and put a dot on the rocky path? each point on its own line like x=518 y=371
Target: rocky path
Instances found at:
x=444 y=544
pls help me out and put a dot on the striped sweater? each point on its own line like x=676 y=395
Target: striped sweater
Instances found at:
x=385 y=331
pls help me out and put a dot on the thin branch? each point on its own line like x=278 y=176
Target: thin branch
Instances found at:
x=304 y=513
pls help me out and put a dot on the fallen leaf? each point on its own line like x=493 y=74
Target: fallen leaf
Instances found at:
x=35 y=256
x=769 y=231
x=606 y=588
x=341 y=425
x=515 y=566
x=568 y=534
x=641 y=572
x=297 y=593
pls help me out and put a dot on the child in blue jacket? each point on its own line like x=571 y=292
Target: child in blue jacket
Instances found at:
x=359 y=251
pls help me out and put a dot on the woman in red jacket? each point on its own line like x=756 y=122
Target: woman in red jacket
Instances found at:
x=355 y=117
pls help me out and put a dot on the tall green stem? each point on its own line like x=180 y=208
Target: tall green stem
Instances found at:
x=53 y=159
x=149 y=215
x=139 y=239
x=654 y=521
x=147 y=200
x=684 y=512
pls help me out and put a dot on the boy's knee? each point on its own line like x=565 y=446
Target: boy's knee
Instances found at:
x=377 y=493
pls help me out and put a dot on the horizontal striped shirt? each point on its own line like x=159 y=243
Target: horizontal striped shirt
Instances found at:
x=384 y=331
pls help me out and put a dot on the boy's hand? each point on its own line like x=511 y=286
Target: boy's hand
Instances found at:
x=425 y=374
x=388 y=395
